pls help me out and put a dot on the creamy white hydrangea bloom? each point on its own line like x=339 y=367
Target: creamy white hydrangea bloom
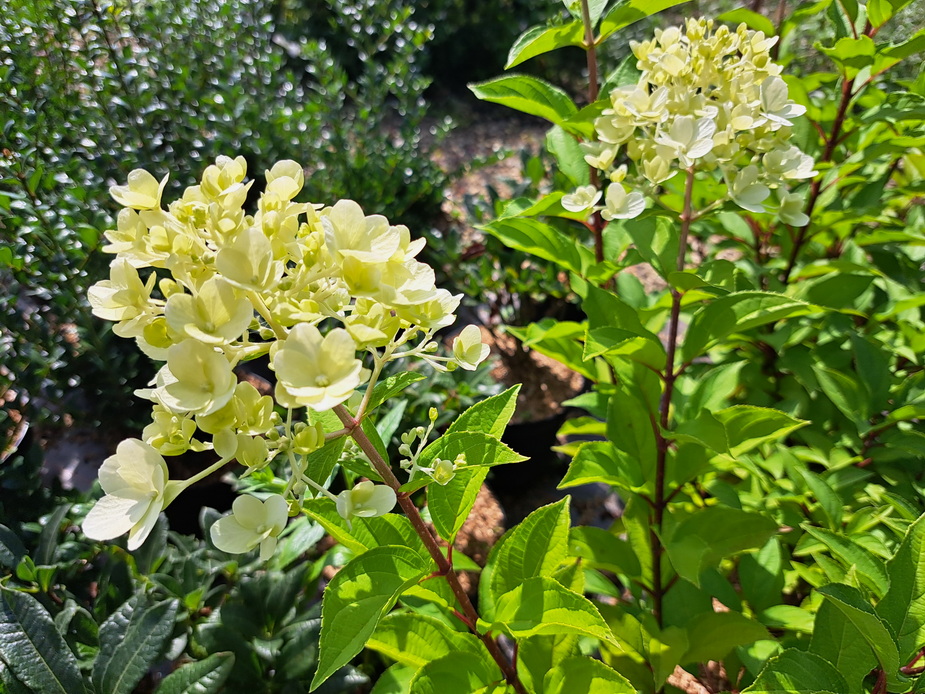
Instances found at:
x=365 y=500
x=622 y=205
x=351 y=234
x=200 y=379
x=248 y=262
x=790 y=210
x=252 y=522
x=137 y=490
x=143 y=191
x=123 y=298
x=584 y=198
x=216 y=314
x=746 y=190
x=318 y=371
x=468 y=350
x=236 y=285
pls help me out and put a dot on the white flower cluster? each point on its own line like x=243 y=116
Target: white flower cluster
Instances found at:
x=708 y=100
x=317 y=288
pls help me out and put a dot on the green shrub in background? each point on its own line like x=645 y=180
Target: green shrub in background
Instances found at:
x=90 y=90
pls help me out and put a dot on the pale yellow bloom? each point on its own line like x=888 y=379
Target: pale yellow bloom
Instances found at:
x=318 y=371
x=137 y=490
x=251 y=523
x=365 y=500
x=584 y=198
x=216 y=314
x=143 y=191
x=468 y=350
x=622 y=205
x=201 y=380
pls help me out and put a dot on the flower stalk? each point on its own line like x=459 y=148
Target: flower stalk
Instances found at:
x=444 y=567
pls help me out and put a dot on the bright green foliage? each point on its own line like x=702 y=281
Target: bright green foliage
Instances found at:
x=203 y=677
x=760 y=409
x=358 y=597
x=131 y=640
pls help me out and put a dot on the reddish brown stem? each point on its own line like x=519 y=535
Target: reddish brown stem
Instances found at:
x=597 y=222
x=816 y=186
x=659 y=500
x=444 y=567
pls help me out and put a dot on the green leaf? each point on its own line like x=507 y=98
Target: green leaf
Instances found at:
x=584 y=674
x=761 y=576
x=879 y=12
x=601 y=549
x=369 y=428
x=391 y=386
x=542 y=39
x=12 y=549
x=656 y=239
x=713 y=635
x=359 y=596
x=395 y=680
x=705 y=429
x=489 y=416
x=630 y=12
x=798 y=672
x=200 y=677
x=535 y=547
x=33 y=649
x=829 y=501
x=859 y=612
x=559 y=340
x=537 y=655
x=747 y=427
x=752 y=20
x=450 y=504
x=602 y=462
x=321 y=462
x=852 y=54
x=132 y=639
x=456 y=673
x=542 y=605
x=543 y=241
x=903 y=606
x=632 y=421
x=416 y=639
x=615 y=343
x=845 y=392
x=364 y=534
x=839 y=641
x=479 y=449
x=703 y=538
x=788 y=617
x=736 y=313
x=569 y=156
x=527 y=94
x=870 y=569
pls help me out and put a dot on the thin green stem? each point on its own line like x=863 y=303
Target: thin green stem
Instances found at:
x=444 y=567
x=265 y=313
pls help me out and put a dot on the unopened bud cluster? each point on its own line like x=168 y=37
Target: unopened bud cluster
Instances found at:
x=330 y=294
